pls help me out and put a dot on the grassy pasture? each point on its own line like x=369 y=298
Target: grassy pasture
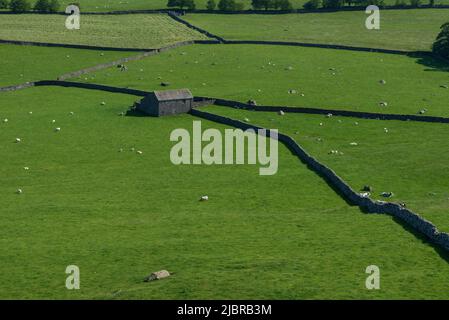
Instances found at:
x=243 y=72
x=119 y=216
x=27 y=63
x=400 y=29
x=129 y=31
x=410 y=160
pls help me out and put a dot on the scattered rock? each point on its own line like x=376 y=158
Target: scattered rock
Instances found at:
x=157 y=276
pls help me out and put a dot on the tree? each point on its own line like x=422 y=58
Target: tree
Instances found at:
x=312 y=4
x=415 y=3
x=19 y=5
x=4 y=4
x=333 y=4
x=54 y=6
x=284 y=5
x=227 y=5
x=211 y=5
x=441 y=45
x=42 y=6
x=431 y=3
x=188 y=4
x=263 y=4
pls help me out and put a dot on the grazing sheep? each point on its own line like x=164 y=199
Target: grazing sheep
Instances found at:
x=204 y=198
x=18 y=140
x=387 y=194
x=356 y=123
x=71 y=113
x=19 y=191
x=354 y=144
x=383 y=82
x=139 y=152
x=103 y=103
x=246 y=120
x=5 y=120
x=26 y=168
x=365 y=194
x=281 y=113
x=386 y=130
x=57 y=129
x=329 y=115
x=53 y=121
x=383 y=104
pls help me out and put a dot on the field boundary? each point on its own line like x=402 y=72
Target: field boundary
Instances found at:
x=239 y=12
x=204 y=101
x=410 y=218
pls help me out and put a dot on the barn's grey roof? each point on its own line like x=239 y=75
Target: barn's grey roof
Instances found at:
x=169 y=95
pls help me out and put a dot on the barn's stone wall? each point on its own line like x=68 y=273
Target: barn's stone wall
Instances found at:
x=408 y=217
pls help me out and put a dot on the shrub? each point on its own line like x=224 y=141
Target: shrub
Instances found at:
x=188 y=4
x=19 y=6
x=211 y=5
x=415 y=3
x=285 y=5
x=227 y=5
x=312 y=4
x=441 y=45
x=42 y=5
x=4 y=4
x=333 y=4
x=54 y=6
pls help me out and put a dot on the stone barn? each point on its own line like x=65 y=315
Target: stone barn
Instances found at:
x=164 y=103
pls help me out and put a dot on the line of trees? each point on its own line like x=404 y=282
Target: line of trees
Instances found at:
x=43 y=6
x=232 y=5
x=335 y=4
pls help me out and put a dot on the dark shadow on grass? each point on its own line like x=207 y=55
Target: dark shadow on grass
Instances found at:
x=432 y=62
x=441 y=252
x=132 y=112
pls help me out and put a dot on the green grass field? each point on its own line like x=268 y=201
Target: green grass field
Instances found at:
x=399 y=29
x=242 y=72
x=129 y=31
x=86 y=203
x=21 y=64
x=90 y=199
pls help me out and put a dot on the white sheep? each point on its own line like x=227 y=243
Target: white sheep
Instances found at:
x=5 y=120
x=204 y=198
x=18 y=140
x=57 y=129
x=19 y=191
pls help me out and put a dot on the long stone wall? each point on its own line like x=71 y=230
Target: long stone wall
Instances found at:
x=203 y=101
x=406 y=216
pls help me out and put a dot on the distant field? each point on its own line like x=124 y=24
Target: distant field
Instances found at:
x=114 y=5
x=134 y=31
x=243 y=72
x=27 y=63
x=400 y=29
x=120 y=215
x=410 y=160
